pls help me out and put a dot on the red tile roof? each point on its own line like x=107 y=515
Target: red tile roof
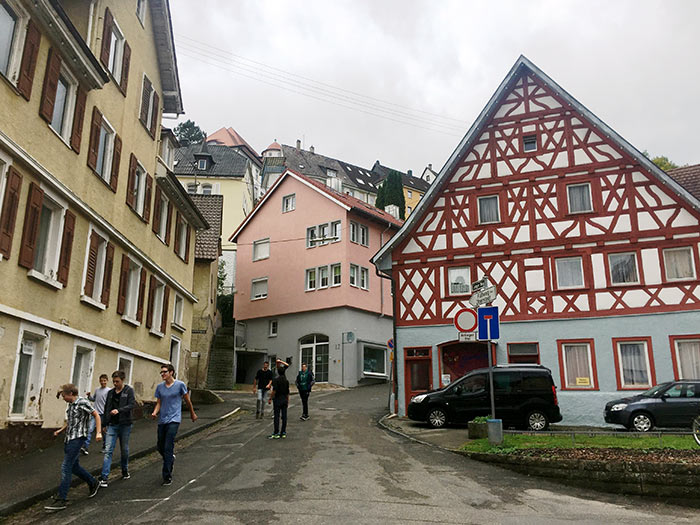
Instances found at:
x=229 y=137
x=688 y=177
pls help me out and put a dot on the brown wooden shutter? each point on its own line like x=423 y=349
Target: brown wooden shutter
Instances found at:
x=106 y=38
x=123 y=284
x=116 y=158
x=48 y=94
x=168 y=224
x=147 y=198
x=126 y=61
x=91 y=270
x=164 y=318
x=176 y=244
x=9 y=211
x=30 y=231
x=187 y=243
x=95 y=125
x=155 y=115
x=151 y=300
x=107 y=279
x=145 y=99
x=157 y=210
x=78 y=117
x=130 y=196
x=142 y=293
x=66 y=247
x=29 y=56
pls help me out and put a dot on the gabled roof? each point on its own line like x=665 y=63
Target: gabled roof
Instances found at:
x=688 y=177
x=208 y=242
x=226 y=162
x=382 y=258
x=167 y=60
x=229 y=137
x=409 y=181
x=341 y=199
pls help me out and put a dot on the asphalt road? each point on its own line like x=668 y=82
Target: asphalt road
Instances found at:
x=339 y=467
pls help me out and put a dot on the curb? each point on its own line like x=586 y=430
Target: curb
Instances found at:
x=6 y=510
x=383 y=425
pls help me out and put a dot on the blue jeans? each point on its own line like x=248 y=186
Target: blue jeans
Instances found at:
x=166 y=445
x=71 y=465
x=91 y=429
x=113 y=432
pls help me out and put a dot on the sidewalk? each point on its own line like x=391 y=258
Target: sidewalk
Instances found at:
x=35 y=476
x=448 y=438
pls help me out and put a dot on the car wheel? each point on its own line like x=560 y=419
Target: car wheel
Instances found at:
x=641 y=422
x=437 y=418
x=537 y=421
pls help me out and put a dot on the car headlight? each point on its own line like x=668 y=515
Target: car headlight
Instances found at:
x=618 y=407
x=418 y=399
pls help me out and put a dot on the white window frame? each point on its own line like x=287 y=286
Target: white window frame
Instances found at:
x=272 y=328
x=14 y=59
x=192 y=188
x=590 y=197
x=131 y=305
x=83 y=347
x=498 y=208
x=559 y=273
x=310 y=279
x=141 y=11
x=374 y=374
x=175 y=356
x=364 y=278
x=453 y=273
x=323 y=273
x=336 y=231
x=178 y=311
x=130 y=358
x=253 y=296
x=621 y=370
x=364 y=235
x=676 y=349
x=289 y=202
x=104 y=168
x=409 y=194
x=35 y=375
x=636 y=268
x=332 y=275
x=139 y=190
x=354 y=275
x=257 y=246
x=323 y=230
x=183 y=238
x=48 y=273
x=157 y=308
x=66 y=128
x=116 y=51
x=691 y=254
x=354 y=230
x=311 y=236
x=207 y=189
x=163 y=224
x=202 y=164
x=592 y=382
x=100 y=267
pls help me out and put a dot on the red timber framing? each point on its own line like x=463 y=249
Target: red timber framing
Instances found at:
x=629 y=209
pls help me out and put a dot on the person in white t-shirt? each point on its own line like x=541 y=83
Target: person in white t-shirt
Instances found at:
x=98 y=398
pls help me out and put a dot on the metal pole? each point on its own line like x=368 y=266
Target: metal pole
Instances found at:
x=493 y=398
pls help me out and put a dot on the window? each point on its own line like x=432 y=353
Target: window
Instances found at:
x=623 y=268
x=323 y=233
x=105 y=151
x=192 y=188
x=138 y=189
x=459 y=280
x=409 y=194
x=687 y=357
x=374 y=360
x=148 y=115
x=323 y=277
x=569 y=272
x=331 y=173
x=579 y=196
x=116 y=52
x=336 y=275
x=350 y=192
x=364 y=235
x=524 y=353
x=29 y=371
x=353 y=275
x=125 y=363
x=311 y=237
x=272 y=328
x=175 y=344
x=364 y=278
x=359 y=233
x=314 y=351
x=64 y=105
x=578 y=364
x=163 y=209
x=98 y=270
x=488 y=209
x=133 y=290
x=353 y=231
x=408 y=210
x=678 y=263
x=182 y=239
x=141 y=10
x=261 y=249
x=157 y=304
x=289 y=203
x=202 y=164
x=529 y=143
x=12 y=22
x=311 y=279
x=83 y=358
x=336 y=231
x=634 y=363
x=206 y=189
x=259 y=289
x=178 y=309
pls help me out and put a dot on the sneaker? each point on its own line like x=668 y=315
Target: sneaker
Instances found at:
x=58 y=504
x=94 y=488
x=273 y=436
x=126 y=475
x=103 y=482
x=277 y=436
x=302 y=418
x=167 y=482
x=283 y=435
x=84 y=451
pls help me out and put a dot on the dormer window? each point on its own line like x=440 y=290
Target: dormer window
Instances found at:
x=529 y=143
x=202 y=164
x=331 y=173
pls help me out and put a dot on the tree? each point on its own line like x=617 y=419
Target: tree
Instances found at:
x=381 y=197
x=221 y=277
x=393 y=192
x=662 y=161
x=189 y=133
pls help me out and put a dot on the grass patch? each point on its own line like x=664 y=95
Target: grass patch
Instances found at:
x=513 y=443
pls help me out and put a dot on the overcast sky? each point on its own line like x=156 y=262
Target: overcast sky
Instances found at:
x=402 y=81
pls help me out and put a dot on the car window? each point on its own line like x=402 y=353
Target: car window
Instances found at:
x=693 y=390
x=674 y=391
x=473 y=384
x=536 y=382
x=506 y=381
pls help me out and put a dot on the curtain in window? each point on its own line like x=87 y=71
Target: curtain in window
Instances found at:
x=623 y=268
x=678 y=264
x=577 y=365
x=634 y=364
x=569 y=272
x=488 y=209
x=689 y=359
x=579 y=198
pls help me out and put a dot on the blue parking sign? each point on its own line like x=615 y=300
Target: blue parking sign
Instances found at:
x=488 y=325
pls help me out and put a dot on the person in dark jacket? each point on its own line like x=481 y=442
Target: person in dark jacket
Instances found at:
x=280 y=399
x=305 y=380
x=118 y=407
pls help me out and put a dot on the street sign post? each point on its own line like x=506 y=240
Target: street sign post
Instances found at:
x=489 y=329
x=465 y=320
x=483 y=296
x=480 y=284
x=465 y=337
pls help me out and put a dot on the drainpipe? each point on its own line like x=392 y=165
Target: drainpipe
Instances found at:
x=381 y=283
x=394 y=393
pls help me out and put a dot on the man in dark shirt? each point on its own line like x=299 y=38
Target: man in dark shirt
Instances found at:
x=261 y=388
x=280 y=396
x=120 y=401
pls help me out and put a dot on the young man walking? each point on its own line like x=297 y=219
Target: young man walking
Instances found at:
x=169 y=396
x=98 y=398
x=280 y=399
x=261 y=388
x=118 y=407
x=305 y=380
x=78 y=415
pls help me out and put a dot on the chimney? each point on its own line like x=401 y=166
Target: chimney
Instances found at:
x=430 y=166
x=311 y=149
x=393 y=210
x=410 y=173
x=298 y=144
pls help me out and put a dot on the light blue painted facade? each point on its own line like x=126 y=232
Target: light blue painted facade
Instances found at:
x=577 y=407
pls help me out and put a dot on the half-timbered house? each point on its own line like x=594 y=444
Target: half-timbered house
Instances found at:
x=593 y=249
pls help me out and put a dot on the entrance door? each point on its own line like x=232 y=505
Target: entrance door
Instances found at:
x=314 y=352
x=418 y=372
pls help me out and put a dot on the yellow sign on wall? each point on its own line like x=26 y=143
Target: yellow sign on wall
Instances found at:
x=583 y=381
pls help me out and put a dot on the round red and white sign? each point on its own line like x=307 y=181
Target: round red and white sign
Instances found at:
x=466 y=320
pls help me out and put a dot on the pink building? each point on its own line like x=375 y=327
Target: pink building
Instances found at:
x=305 y=286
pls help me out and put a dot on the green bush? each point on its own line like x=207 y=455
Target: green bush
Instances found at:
x=224 y=303
x=480 y=419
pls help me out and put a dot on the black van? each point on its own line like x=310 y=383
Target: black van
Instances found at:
x=525 y=397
